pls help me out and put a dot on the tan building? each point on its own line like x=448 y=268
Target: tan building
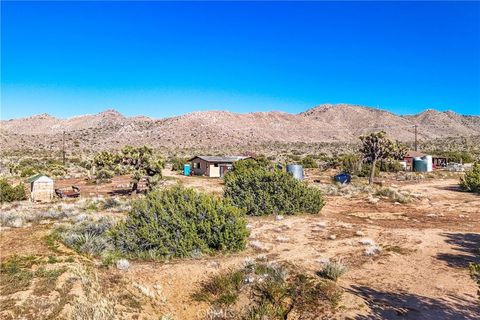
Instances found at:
x=41 y=188
x=213 y=166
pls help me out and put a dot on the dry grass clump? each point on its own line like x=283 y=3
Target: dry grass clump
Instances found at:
x=333 y=270
x=273 y=291
x=394 y=195
x=346 y=190
x=89 y=236
x=93 y=304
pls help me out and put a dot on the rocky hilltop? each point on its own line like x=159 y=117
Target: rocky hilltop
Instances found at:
x=221 y=129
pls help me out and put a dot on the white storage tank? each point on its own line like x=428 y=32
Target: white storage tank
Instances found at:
x=429 y=163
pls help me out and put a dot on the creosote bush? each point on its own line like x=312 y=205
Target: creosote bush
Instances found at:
x=9 y=193
x=262 y=190
x=471 y=180
x=180 y=222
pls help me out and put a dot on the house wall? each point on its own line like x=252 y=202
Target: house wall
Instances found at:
x=213 y=171
x=42 y=191
x=203 y=170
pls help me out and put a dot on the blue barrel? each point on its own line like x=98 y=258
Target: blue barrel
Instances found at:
x=296 y=170
x=186 y=169
x=343 y=178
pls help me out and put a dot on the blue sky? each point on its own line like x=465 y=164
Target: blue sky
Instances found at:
x=163 y=58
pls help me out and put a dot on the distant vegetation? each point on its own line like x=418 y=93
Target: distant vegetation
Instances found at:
x=262 y=190
x=141 y=162
x=9 y=193
x=27 y=167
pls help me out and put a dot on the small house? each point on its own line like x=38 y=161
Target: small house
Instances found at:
x=41 y=188
x=213 y=166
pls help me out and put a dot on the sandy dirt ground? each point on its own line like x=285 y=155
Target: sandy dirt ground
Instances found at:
x=421 y=271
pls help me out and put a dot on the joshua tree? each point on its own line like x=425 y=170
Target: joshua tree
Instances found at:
x=376 y=146
x=140 y=161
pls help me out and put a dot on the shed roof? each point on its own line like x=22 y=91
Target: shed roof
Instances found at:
x=413 y=154
x=39 y=177
x=220 y=158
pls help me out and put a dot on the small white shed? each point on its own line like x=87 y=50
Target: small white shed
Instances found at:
x=41 y=188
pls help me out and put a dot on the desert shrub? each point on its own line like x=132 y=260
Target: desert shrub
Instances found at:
x=471 y=180
x=390 y=166
x=104 y=175
x=89 y=236
x=459 y=156
x=333 y=270
x=275 y=291
x=294 y=157
x=309 y=162
x=263 y=191
x=177 y=163
x=9 y=193
x=394 y=195
x=28 y=171
x=180 y=222
x=351 y=163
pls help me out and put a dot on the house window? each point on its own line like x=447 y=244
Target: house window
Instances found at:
x=215 y=165
x=196 y=165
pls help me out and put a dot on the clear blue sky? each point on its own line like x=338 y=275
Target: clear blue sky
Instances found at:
x=163 y=59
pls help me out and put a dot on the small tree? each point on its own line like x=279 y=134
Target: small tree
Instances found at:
x=376 y=146
x=471 y=180
x=140 y=161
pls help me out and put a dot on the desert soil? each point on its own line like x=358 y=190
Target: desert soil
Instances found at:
x=420 y=273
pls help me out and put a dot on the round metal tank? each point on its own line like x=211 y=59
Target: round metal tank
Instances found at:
x=419 y=164
x=296 y=170
x=429 y=163
x=186 y=169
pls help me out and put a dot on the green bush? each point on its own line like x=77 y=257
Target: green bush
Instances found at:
x=180 y=222
x=104 y=175
x=459 y=156
x=177 y=163
x=8 y=193
x=351 y=163
x=471 y=180
x=390 y=166
x=309 y=162
x=263 y=191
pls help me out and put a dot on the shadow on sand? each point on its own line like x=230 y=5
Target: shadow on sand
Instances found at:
x=466 y=246
x=404 y=305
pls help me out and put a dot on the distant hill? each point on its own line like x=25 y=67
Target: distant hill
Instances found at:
x=221 y=129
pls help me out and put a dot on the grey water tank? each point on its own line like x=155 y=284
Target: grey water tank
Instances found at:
x=296 y=170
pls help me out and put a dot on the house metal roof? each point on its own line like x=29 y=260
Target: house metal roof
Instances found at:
x=220 y=158
x=37 y=177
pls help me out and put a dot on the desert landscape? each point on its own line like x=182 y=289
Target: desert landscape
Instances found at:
x=240 y=160
x=402 y=260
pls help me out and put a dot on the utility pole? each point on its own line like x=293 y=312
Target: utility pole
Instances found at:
x=416 y=145
x=63 y=148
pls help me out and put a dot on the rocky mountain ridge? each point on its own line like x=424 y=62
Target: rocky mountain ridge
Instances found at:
x=218 y=129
